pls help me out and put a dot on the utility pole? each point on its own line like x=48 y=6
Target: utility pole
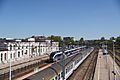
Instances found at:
x=39 y=48
x=10 y=69
x=10 y=75
x=114 y=60
x=108 y=67
x=106 y=53
x=63 y=62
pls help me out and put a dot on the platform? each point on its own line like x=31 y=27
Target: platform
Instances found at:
x=4 y=68
x=104 y=68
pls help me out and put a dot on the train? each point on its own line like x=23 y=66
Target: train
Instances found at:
x=57 y=55
x=55 y=72
x=105 y=52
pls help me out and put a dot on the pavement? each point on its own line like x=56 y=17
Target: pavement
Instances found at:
x=104 y=68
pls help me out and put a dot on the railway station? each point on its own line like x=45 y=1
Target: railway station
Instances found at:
x=59 y=39
x=80 y=63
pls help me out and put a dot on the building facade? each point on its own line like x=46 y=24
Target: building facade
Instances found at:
x=26 y=48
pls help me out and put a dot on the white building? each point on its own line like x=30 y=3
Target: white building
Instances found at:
x=20 y=49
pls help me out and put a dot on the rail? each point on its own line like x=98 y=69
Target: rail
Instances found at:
x=117 y=58
x=89 y=73
x=23 y=70
x=87 y=68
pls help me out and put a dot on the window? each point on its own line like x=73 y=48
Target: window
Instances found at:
x=43 y=49
x=14 y=47
x=11 y=55
x=38 y=50
x=59 y=77
x=56 y=78
x=22 y=52
x=5 y=56
x=26 y=51
x=1 y=56
x=66 y=70
x=10 y=47
x=22 y=47
x=14 y=55
x=61 y=74
x=18 y=54
x=18 y=47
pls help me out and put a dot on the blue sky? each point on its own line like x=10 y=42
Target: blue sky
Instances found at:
x=90 y=19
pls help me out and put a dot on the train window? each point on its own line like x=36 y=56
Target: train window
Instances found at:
x=66 y=70
x=59 y=77
x=56 y=78
x=61 y=74
x=53 y=79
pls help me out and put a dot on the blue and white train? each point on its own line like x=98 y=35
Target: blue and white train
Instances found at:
x=55 y=56
x=54 y=72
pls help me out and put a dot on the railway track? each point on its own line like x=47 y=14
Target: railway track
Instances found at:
x=23 y=70
x=86 y=70
x=117 y=57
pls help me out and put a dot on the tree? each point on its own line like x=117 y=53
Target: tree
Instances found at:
x=81 y=41
x=112 y=38
x=68 y=40
x=55 y=38
x=118 y=42
x=102 y=39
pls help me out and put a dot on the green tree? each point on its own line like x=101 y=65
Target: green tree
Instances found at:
x=118 y=42
x=112 y=38
x=55 y=38
x=68 y=40
x=102 y=38
x=81 y=41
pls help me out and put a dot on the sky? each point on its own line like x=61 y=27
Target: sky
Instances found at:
x=90 y=19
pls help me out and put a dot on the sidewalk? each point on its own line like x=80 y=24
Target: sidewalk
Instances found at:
x=104 y=68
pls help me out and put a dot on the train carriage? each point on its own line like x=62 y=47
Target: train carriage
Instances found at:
x=54 y=72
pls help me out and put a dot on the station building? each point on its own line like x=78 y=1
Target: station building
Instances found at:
x=17 y=49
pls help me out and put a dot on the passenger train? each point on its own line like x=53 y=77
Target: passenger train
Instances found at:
x=55 y=56
x=105 y=52
x=73 y=65
x=55 y=72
